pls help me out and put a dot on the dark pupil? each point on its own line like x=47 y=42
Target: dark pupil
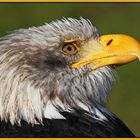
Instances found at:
x=69 y=48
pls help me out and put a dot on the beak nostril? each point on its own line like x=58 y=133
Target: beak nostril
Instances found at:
x=108 y=43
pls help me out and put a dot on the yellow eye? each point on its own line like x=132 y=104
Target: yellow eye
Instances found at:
x=70 y=49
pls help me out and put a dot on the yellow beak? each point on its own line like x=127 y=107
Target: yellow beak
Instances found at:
x=117 y=49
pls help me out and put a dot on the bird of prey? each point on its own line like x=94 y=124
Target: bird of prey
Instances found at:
x=55 y=80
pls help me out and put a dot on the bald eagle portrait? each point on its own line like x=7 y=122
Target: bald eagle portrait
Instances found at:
x=55 y=80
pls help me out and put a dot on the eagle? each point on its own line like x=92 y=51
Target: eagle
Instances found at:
x=55 y=80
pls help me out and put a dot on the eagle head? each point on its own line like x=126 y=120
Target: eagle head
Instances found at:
x=58 y=66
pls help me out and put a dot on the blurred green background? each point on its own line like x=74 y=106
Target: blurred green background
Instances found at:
x=108 y=18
